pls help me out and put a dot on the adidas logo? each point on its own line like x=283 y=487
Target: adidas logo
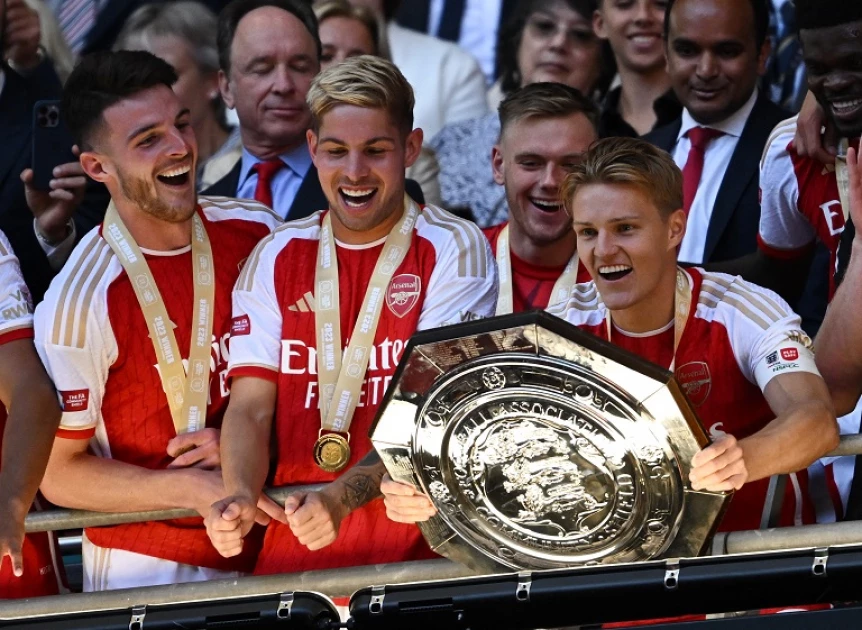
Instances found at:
x=305 y=304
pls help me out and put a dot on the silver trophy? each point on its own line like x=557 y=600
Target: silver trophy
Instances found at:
x=544 y=447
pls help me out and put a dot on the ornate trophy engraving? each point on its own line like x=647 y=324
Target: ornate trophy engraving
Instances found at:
x=544 y=447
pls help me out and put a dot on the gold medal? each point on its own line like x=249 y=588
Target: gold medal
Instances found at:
x=331 y=452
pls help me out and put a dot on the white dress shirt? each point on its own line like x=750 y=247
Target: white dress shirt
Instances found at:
x=479 y=28
x=716 y=160
x=285 y=183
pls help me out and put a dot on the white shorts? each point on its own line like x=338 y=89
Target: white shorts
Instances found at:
x=107 y=569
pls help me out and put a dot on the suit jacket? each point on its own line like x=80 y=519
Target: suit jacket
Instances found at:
x=735 y=218
x=16 y=137
x=309 y=198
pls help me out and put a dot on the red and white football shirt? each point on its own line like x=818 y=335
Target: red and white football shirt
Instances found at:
x=531 y=285
x=16 y=322
x=93 y=339
x=738 y=337
x=799 y=201
x=447 y=276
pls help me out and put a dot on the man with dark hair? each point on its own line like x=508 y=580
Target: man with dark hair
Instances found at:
x=545 y=128
x=716 y=50
x=141 y=297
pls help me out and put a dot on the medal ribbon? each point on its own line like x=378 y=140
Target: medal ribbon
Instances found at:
x=340 y=385
x=842 y=177
x=186 y=390
x=681 y=308
x=506 y=301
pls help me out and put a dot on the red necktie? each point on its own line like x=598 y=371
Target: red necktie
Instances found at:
x=699 y=137
x=265 y=172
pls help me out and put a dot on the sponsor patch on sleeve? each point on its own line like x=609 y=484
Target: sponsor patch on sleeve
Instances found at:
x=789 y=356
x=240 y=326
x=74 y=400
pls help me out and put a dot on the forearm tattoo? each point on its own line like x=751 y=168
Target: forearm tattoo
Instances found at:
x=362 y=482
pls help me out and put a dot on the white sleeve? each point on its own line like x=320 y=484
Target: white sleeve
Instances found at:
x=75 y=341
x=783 y=227
x=766 y=335
x=16 y=306
x=463 y=285
x=255 y=338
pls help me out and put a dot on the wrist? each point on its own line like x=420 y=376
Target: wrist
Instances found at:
x=51 y=234
x=29 y=61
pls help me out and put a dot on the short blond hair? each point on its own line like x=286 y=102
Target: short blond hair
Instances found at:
x=628 y=161
x=363 y=81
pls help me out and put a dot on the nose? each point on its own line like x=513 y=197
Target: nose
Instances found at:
x=178 y=145
x=559 y=39
x=837 y=81
x=643 y=14
x=707 y=66
x=356 y=169
x=605 y=244
x=552 y=178
x=283 y=81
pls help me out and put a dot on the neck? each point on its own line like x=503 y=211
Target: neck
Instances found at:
x=210 y=136
x=654 y=311
x=152 y=233
x=638 y=93
x=554 y=254
x=264 y=150
x=344 y=234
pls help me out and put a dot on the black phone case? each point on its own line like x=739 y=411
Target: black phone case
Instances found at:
x=52 y=142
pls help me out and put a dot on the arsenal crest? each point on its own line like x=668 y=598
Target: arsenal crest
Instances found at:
x=403 y=293
x=695 y=380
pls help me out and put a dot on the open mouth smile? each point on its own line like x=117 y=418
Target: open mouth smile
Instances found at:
x=177 y=176
x=612 y=273
x=357 y=197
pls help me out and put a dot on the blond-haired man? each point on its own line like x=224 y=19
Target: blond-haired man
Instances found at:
x=355 y=282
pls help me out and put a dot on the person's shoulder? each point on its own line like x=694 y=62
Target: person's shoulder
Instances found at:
x=454 y=237
x=78 y=293
x=583 y=308
x=414 y=41
x=244 y=211
x=779 y=143
x=467 y=135
x=723 y=298
x=664 y=137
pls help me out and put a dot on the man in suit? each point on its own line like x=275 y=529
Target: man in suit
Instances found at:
x=716 y=50
x=269 y=51
x=33 y=78
x=472 y=24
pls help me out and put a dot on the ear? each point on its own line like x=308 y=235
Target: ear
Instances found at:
x=763 y=56
x=497 y=164
x=599 y=24
x=311 y=138
x=95 y=166
x=224 y=88
x=413 y=146
x=676 y=224
x=213 y=86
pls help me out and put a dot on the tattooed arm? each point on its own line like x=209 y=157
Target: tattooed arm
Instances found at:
x=315 y=517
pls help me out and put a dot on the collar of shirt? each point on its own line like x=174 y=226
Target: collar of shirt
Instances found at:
x=611 y=123
x=2 y=80
x=298 y=160
x=731 y=126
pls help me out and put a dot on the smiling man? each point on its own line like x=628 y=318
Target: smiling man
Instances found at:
x=716 y=50
x=140 y=297
x=321 y=317
x=545 y=130
x=736 y=349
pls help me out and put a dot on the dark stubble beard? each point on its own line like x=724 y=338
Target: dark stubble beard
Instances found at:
x=139 y=192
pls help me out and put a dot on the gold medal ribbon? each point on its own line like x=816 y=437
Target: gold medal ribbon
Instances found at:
x=842 y=177
x=681 y=308
x=186 y=390
x=506 y=301
x=340 y=385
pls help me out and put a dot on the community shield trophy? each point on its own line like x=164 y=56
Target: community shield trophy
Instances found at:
x=544 y=447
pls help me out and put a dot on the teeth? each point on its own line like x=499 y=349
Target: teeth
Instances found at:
x=613 y=268
x=546 y=204
x=176 y=172
x=847 y=104
x=357 y=193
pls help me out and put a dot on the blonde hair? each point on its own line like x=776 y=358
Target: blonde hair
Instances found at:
x=628 y=161
x=326 y=9
x=363 y=81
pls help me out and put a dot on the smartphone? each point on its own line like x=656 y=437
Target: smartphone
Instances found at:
x=52 y=142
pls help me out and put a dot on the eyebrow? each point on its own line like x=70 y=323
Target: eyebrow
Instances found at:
x=145 y=128
x=371 y=141
x=614 y=220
